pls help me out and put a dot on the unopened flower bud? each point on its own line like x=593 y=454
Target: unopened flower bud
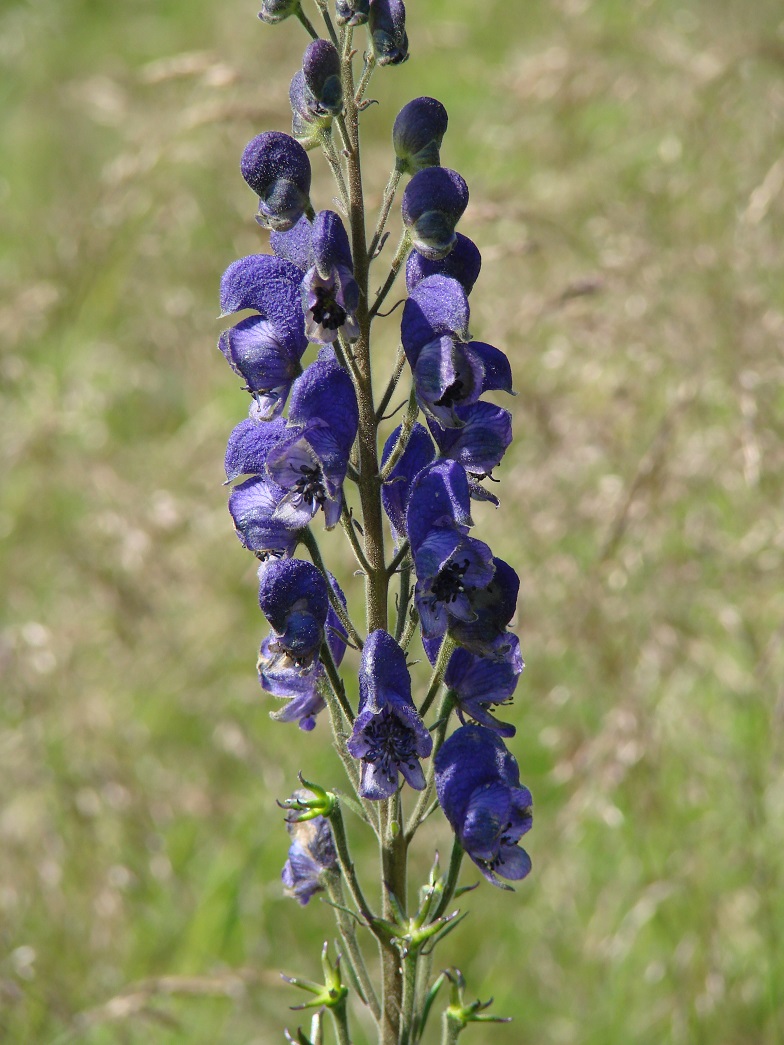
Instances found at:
x=351 y=12
x=417 y=134
x=277 y=168
x=273 y=11
x=321 y=72
x=387 y=24
x=433 y=203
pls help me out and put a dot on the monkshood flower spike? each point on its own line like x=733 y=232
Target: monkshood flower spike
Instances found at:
x=315 y=451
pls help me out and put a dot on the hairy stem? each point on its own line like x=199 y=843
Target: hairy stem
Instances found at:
x=386 y=205
x=403 y=248
x=308 y=539
x=410 y=964
x=348 y=934
x=400 y=362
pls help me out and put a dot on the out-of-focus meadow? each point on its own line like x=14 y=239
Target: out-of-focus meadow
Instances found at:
x=627 y=176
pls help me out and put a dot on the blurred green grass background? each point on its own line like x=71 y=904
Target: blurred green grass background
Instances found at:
x=626 y=166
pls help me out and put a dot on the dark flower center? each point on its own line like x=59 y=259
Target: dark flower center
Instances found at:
x=448 y=585
x=310 y=485
x=452 y=394
x=327 y=313
x=391 y=743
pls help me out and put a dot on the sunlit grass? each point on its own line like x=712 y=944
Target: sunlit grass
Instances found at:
x=624 y=160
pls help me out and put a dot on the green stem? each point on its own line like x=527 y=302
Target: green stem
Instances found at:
x=307 y=23
x=347 y=866
x=421 y=810
x=308 y=539
x=452 y=876
x=399 y=558
x=410 y=964
x=386 y=205
x=410 y=628
x=322 y=6
x=340 y=1019
x=349 y=936
x=394 y=851
x=400 y=362
x=328 y=148
x=335 y=681
x=404 y=435
x=404 y=600
x=403 y=248
x=451 y=1029
x=439 y=668
x=364 y=80
x=350 y=530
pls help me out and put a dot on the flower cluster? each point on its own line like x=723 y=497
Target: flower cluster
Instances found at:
x=308 y=452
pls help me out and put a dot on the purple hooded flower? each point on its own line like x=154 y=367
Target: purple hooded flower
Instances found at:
x=417 y=134
x=493 y=606
x=311 y=854
x=433 y=203
x=277 y=168
x=310 y=462
x=300 y=686
x=389 y=736
x=330 y=294
x=480 y=684
x=293 y=597
x=419 y=453
x=478 y=444
x=452 y=569
x=439 y=498
x=321 y=74
x=252 y=503
x=462 y=263
x=388 y=37
x=352 y=12
x=264 y=349
x=478 y=786
x=449 y=371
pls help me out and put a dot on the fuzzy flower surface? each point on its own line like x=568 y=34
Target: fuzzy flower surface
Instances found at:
x=277 y=168
x=479 y=789
x=389 y=736
x=311 y=460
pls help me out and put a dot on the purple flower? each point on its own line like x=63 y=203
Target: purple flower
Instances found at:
x=277 y=168
x=389 y=736
x=493 y=606
x=440 y=499
x=330 y=294
x=265 y=349
x=417 y=134
x=310 y=462
x=321 y=74
x=462 y=263
x=433 y=203
x=478 y=786
x=352 y=12
x=419 y=453
x=252 y=503
x=274 y=11
x=479 y=444
x=311 y=854
x=450 y=372
x=293 y=597
x=300 y=686
x=388 y=37
x=480 y=684
x=451 y=570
